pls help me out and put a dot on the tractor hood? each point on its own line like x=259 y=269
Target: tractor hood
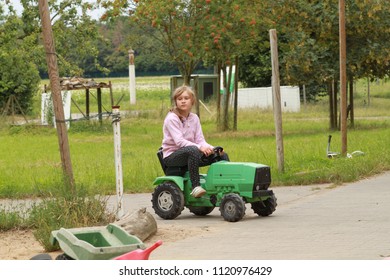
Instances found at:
x=247 y=176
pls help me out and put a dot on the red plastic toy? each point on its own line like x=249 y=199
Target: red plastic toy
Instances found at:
x=139 y=254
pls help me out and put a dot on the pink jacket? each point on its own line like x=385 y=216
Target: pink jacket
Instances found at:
x=178 y=133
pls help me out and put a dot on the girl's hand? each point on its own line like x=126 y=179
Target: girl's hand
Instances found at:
x=206 y=150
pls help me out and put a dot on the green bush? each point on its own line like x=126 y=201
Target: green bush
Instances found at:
x=18 y=78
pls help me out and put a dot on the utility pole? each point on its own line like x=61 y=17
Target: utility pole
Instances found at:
x=276 y=100
x=51 y=60
x=343 y=77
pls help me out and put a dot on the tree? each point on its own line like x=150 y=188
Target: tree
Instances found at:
x=310 y=42
x=21 y=49
x=121 y=35
x=19 y=76
x=76 y=35
x=255 y=67
x=213 y=31
x=179 y=25
x=231 y=32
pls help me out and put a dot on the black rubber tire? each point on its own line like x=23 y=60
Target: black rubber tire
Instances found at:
x=232 y=207
x=63 y=257
x=265 y=208
x=168 y=200
x=42 y=257
x=201 y=210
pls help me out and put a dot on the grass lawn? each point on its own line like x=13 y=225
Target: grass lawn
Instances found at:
x=30 y=162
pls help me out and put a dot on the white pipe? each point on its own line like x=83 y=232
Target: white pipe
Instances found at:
x=118 y=160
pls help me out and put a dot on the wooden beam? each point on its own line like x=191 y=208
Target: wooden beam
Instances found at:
x=51 y=59
x=87 y=102
x=343 y=77
x=276 y=100
x=99 y=100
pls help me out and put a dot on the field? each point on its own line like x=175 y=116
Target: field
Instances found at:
x=30 y=162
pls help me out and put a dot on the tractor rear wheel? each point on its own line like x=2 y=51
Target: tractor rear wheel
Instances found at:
x=168 y=200
x=266 y=207
x=63 y=257
x=201 y=210
x=232 y=207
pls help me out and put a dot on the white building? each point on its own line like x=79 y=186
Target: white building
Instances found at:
x=262 y=98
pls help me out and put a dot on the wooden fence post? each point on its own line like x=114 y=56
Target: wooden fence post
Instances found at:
x=51 y=59
x=343 y=78
x=276 y=100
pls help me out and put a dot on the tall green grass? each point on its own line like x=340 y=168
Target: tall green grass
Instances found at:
x=30 y=162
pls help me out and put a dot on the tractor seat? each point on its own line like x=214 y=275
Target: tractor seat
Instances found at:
x=170 y=170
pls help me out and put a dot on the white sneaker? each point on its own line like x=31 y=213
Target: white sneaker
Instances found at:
x=198 y=192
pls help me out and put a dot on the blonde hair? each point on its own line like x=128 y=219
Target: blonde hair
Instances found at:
x=180 y=90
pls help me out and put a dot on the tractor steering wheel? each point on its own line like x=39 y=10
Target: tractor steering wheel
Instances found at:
x=215 y=156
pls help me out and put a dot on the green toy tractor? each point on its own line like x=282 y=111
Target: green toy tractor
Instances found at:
x=228 y=185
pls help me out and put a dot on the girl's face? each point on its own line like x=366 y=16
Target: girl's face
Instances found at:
x=184 y=102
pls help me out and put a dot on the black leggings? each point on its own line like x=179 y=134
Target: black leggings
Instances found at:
x=190 y=156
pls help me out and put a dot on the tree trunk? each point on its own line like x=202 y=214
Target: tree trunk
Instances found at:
x=332 y=91
x=335 y=107
x=331 y=113
x=368 y=92
x=225 y=125
x=235 y=96
x=223 y=98
x=196 y=90
x=186 y=79
x=351 y=105
x=219 y=96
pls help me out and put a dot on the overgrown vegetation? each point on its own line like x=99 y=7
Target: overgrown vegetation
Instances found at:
x=63 y=209
x=11 y=219
x=56 y=210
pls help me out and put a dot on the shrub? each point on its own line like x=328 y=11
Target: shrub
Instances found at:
x=67 y=210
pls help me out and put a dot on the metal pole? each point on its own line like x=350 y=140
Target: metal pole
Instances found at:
x=343 y=78
x=118 y=160
x=132 y=78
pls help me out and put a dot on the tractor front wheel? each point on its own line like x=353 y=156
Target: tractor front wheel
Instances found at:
x=168 y=200
x=232 y=207
x=266 y=207
x=63 y=257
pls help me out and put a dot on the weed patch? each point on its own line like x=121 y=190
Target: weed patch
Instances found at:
x=67 y=210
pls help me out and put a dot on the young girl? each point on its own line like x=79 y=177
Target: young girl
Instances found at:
x=183 y=142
